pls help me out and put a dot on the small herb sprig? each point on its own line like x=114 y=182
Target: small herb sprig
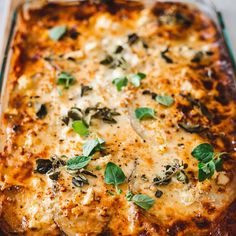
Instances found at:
x=123 y=81
x=65 y=79
x=136 y=79
x=142 y=200
x=104 y=113
x=114 y=175
x=92 y=146
x=209 y=161
x=164 y=100
x=120 y=83
x=173 y=170
x=143 y=113
x=80 y=127
x=74 y=166
x=81 y=119
x=77 y=162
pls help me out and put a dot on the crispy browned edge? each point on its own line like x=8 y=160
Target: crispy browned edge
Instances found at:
x=226 y=223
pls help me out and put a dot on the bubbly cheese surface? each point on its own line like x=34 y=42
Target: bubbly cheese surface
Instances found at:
x=180 y=51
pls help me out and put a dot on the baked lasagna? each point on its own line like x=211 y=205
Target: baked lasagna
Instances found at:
x=118 y=119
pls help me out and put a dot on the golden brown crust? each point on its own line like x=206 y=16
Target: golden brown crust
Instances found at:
x=185 y=58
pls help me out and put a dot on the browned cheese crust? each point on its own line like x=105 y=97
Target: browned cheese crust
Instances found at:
x=182 y=54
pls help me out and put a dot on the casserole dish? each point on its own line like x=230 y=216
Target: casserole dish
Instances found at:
x=118 y=118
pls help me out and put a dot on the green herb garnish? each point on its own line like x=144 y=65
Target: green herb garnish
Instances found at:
x=114 y=175
x=136 y=79
x=129 y=195
x=120 y=83
x=144 y=113
x=80 y=128
x=209 y=162
x=203 y=152
x=173 y=170
x=205 y=170
x=144 y=201
x=57 y=32
x=77 y=162
x=164 y=100
x=65 y=79
x=91 y=146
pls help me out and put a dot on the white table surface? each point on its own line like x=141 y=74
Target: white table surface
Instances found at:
x=227 y=7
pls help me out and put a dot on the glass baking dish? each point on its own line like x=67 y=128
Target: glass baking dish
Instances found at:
x=205 y=6
x=14 y=7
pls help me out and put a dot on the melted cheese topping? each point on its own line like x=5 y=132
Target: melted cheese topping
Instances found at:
x=34 y=204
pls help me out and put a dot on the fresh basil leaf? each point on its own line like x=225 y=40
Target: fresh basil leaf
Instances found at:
x=144 y=113
x=206 y=170
x=129 y=195
x=136 y=79
x=65 y=79
x=202 y=175
x=164 y=100
x=209 y=162
x=120 y=83
x=77 y=162
x=143 y=201
x=91 y=146
x=57 y=32
x=80 y=128
x=218 y=164
x=114 y=175
x=203 y=152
